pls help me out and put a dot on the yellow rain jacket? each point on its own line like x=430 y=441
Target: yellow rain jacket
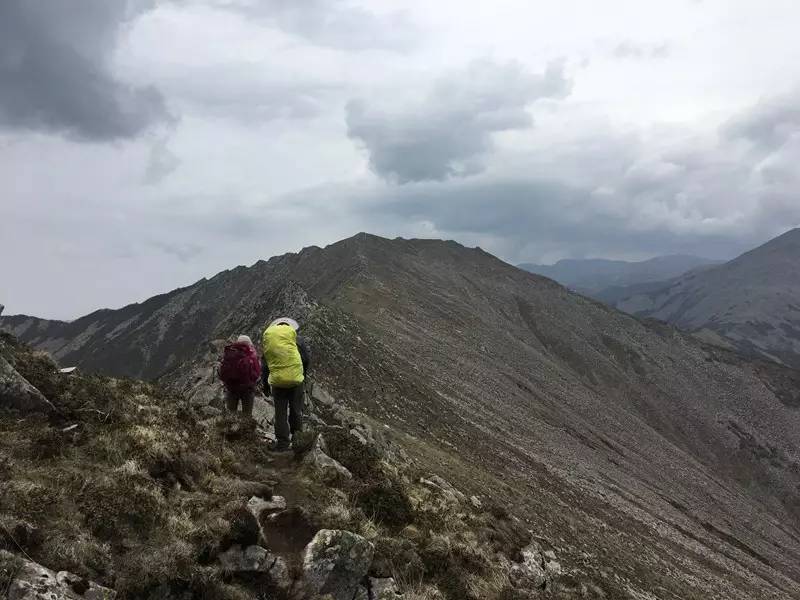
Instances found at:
x=279 y=344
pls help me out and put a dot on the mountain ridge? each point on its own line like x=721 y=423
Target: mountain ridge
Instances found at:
x=748 y=301
x=591 y=276
x=677 y=458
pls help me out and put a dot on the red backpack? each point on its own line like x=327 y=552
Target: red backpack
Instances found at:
x=240 y=368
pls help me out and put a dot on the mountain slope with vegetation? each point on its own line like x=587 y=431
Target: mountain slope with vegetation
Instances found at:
x=655 y=465
x=126 y=486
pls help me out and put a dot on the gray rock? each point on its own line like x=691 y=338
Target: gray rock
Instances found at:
x=445 y=489
x=553 y=569
x=319 y=394
x=258 y=505
x=530 y=572
x=475 y=501
x=326 y=467
x=280 y=575
x=244 y=560
x=359 y=437
x=35 y=582
x=17 y=393
x=538 y=568
x=255 y=559
x=383 y=589
x=210 y=411
x=362 y=594
x=335 y=562
x=263 y=412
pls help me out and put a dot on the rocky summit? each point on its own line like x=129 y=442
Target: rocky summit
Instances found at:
x=582 y=452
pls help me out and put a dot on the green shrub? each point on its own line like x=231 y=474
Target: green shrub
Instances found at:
x=387 y=503
x=9 y=567
x=363 y=461
x=47 y=443
x=398 y=558
x=120 y=505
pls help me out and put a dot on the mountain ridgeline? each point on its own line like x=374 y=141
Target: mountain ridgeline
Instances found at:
x=664 y=464
x=593 y=276
x=751 y=303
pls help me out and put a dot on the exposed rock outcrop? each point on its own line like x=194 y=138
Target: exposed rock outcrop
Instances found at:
x=32 y=581
x=335 y=562
x=18 y=394
x=537 y=570
x=318 y=460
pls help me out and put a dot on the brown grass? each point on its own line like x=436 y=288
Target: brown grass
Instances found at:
x=143 y=495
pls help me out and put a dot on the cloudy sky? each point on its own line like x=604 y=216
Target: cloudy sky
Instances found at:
x=148 y=144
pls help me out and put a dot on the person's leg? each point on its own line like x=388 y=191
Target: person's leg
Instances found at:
x=247 y=402
x=281 y=398
x=296 y=409
x=231 y=401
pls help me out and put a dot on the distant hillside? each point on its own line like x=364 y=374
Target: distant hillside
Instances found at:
x=752 y=301
x=592 y=275
x=663 y=467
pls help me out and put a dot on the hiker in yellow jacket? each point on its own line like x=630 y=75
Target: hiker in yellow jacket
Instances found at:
x=286 y=362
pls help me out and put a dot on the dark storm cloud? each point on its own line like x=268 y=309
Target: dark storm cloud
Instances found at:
x=54 y=71
x=770 y=123
x=623 y=197
x=447 y=133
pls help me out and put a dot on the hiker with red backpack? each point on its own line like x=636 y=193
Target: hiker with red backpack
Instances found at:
x=240 y=371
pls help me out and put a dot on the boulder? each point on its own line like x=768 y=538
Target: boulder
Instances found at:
x=538 y=569
x=263 y=412
x=327 y=468
x=32 y=581
x=258 y=506
x=383 y=589
x=335 y=562
x=256 y=560
x=320 y=395
x=243 y=560
x=450 y=491
x=18 y=394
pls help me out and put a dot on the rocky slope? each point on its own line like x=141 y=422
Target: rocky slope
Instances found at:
x=593 y=275
x=751 y=303
x=657 y=466
x=121 y=489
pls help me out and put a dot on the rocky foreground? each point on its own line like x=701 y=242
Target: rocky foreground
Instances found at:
x=116 y=488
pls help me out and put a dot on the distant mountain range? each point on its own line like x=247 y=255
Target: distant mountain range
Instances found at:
x=591 y=276
x=663 y=466
x=751 y=303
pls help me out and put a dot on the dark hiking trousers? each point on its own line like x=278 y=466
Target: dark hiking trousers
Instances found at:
x=288 y=412
x=246 y=397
